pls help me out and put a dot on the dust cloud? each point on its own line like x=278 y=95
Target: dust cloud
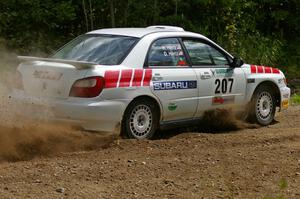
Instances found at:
x=23 y=139
x=222 y=120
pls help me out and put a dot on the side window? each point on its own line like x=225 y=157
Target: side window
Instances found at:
x=166 y=52
x=203 y=54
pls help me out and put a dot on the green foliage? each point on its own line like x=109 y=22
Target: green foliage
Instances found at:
x=35 y=25
x=258 y=49
x=283 y=185
x=295 y=99
x=261 y=32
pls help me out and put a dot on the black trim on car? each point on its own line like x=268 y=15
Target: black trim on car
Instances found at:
x=186 y=54
x=166 y=125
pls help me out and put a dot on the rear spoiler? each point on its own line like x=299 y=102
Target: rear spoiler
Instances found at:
x=76 y=64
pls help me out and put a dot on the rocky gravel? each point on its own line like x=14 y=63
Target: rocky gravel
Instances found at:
x=260 y=162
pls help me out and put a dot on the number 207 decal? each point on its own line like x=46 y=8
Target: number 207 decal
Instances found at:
x=223 y=85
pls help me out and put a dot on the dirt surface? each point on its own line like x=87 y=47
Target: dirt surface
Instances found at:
x=259 y=162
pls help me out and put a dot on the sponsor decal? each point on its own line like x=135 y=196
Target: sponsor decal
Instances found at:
x=222 y=100
x=39 y=74
x=172 y=107
x=264 y=69
x=286 y=95
x=127 y=78
x=175 y=85
x=281 y=81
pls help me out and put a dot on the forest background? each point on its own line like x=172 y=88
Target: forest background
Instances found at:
x=264 y=32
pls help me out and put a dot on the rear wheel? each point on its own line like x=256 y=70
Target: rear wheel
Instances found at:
x=262 y=107
x=141 y=119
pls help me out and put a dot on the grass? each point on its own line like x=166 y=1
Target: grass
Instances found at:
x=283 y=185
x=295 y=99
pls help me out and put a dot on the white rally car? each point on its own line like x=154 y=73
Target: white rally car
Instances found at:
x=137 y=80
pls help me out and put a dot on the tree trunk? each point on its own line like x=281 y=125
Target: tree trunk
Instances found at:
x=126 y=13
x=155 y=12
x=112 y=14
x=85 y=16
x=91 y=15
x=176 y=7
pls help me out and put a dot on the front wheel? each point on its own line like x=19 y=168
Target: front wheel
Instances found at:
x=262 y=106
x=141 y=119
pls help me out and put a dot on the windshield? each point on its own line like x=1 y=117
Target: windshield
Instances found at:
x=100 y=49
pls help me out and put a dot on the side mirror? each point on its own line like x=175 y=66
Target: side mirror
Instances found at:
x=237 y=62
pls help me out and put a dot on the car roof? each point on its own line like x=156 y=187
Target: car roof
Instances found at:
x=138 y=32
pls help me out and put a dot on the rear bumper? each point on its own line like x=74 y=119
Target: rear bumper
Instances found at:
x=285 y=93
x=90 y=114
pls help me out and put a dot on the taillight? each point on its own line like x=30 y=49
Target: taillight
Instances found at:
x=87 y=87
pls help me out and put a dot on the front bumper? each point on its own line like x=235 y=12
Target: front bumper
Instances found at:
x=90 y=114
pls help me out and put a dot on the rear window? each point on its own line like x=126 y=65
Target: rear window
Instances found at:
x=100 y=49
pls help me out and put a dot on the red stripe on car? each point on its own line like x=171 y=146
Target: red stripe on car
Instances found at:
x=253 y=69
x=276 y=70
x=138 y=76
x=260 y=69
x=111 y=78
x=125 y=78
x=147 y=77
x=268 y=70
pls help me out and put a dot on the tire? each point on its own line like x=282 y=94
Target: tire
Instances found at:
x=262 y=106
x=141 y=119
